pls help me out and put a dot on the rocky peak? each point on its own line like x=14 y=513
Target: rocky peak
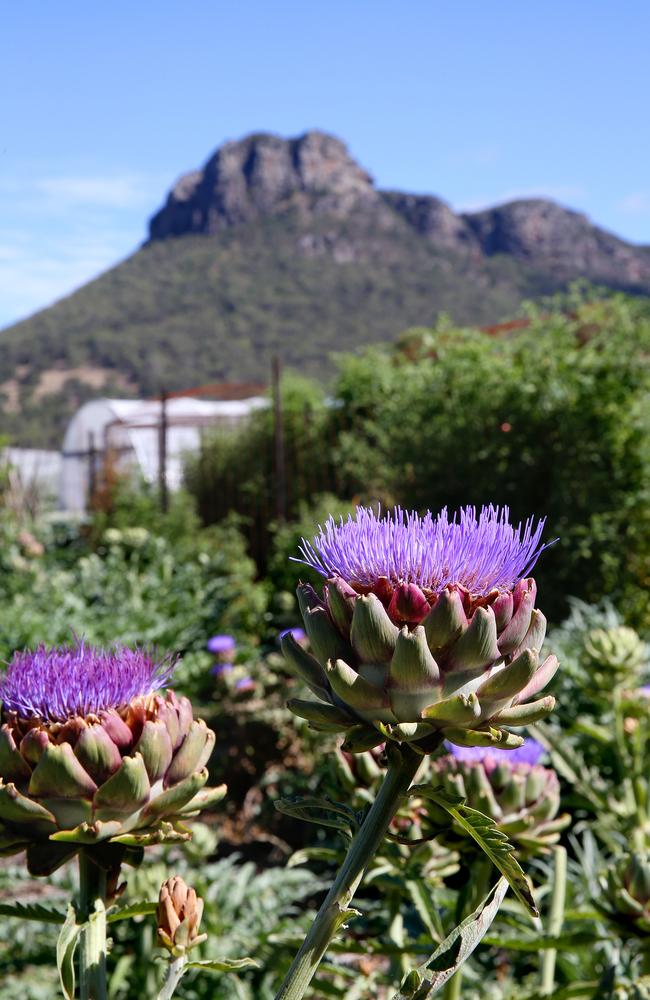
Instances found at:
x=261 y=175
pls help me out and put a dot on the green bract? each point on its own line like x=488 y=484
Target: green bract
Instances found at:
x=413 y=665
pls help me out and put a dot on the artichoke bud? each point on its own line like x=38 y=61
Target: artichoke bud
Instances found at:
x=372 y=633
x=178 y=917
x=341 y=599
x=446 y=620
x=628 y=890
x=414 y=675
x=618 y=651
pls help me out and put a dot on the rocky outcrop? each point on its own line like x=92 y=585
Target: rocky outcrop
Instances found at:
x=314 y=177
x=560 y=241
x=264 y=175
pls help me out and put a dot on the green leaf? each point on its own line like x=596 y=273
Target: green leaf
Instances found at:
x=140 y=908
x=33 y=911
x=577 y=939
x=322 y=811
x=224 y=964
x=307 y=854
x=489 y=838
x=421 y=898
x=430 y=977
x=65 y=949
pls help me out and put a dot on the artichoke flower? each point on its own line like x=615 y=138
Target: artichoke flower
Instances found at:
x=94 y=756
x=509 y=786
x=426 y=626
x=628 y=893
x=615 y=655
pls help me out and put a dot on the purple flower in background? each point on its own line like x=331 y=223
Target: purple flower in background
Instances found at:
x=480 y=553
x=298 y=634
x=245 y=684
x=645 y=690
x=220 y=644
x=221 y=669
x=529 y=754
x=80 y=679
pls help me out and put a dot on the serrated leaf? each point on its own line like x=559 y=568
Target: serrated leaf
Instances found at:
x=420 y=896
x=140 y=908
x=33 y=911
x=492 y=841
x=224 y=964
x=65 y=949
x=432 y=975
x=323 y=811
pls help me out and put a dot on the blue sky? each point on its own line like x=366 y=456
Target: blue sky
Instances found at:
x=104 y=104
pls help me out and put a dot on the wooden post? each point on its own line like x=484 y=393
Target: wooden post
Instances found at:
x=278 y=437
x=162 y=454
x=92 y=469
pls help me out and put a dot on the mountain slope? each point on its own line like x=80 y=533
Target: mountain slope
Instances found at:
x=285 y=246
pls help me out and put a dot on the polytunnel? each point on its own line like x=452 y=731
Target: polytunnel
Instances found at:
x=130 y=431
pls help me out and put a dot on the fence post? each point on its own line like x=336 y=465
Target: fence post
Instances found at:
x=162 y=453
x=278 y=437
x=92 y=468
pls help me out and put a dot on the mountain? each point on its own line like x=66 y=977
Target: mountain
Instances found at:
x=286 y=246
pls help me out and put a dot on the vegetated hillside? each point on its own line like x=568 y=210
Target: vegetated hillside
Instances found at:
x=286 y=247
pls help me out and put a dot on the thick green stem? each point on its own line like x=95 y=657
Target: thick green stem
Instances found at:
x=402 y=767
x=174 y=974
x=92 y=942
x=555 y=920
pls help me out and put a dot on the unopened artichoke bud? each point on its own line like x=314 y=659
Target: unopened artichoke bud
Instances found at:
x=628 y=892
x=93 y=755
x=511 y=788
x=615 y=655
x=426 y=627
x=178 y=917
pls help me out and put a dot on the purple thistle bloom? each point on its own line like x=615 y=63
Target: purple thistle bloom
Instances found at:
x=245 y=684
x=480 y=553
x=80 y=679
x=221 y=644
x=529 y=753
x=219 y=669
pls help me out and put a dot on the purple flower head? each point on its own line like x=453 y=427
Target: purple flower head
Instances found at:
x=221 y=669
x=245 y=684
x=481 y=553
x=79 y=679
x=645 y=690
x=221 y=644
x=298 y=634
x=529 y=754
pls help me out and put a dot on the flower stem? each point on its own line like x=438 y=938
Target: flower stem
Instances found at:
x=402 y=766
x=92 y=943
x=555 y=921
x=173 y=976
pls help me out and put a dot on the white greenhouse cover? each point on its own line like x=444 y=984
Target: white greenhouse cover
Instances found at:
x=131 y=427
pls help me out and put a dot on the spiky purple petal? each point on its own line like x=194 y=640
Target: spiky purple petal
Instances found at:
x=481 y=552
x=529 y=753
x=79 y=679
